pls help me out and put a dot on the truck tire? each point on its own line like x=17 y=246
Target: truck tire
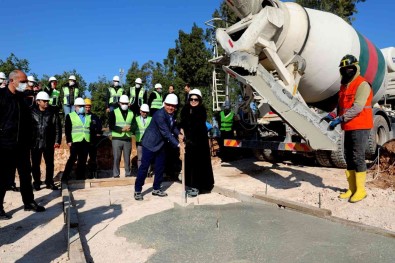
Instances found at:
x=323 y=158
x=258 y=153
x=378 y=136
x=337 y=157
x=266 y=155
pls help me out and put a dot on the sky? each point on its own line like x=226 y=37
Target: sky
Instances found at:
x=98 y=37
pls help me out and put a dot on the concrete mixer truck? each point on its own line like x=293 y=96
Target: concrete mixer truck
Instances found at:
x=286 y=59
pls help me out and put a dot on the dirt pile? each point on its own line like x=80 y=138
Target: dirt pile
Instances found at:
x=383 y=171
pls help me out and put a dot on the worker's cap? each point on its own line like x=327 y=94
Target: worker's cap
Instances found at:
x=124 y=99
x=88 y=102
x=79 y=102
x=171 y=99
x=31 y=79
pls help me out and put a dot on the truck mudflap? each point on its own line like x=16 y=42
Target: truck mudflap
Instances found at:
x=272 y=145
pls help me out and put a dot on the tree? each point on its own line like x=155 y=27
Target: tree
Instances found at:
x=345 y=9
x=13 y=62
x=98 y=91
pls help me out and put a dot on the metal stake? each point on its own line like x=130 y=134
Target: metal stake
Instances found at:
x=319 y=200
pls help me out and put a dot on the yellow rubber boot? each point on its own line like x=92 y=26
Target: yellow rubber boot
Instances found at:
x=360 y=179
x=350 y=174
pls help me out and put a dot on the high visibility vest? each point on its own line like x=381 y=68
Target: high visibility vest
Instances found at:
x=141 y=127
x=114 y=95
x=54 y=97
x=226 y=121
x=121 y=122
x=66 y=94
x=157 y=103
x=364 y=120
x=79 y=130
x=140 y=96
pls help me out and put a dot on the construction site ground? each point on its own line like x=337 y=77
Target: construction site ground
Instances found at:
x=114 y=227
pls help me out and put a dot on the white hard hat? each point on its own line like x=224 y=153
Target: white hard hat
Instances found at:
x=2 y=75
x=31 y=79
x=79 y=102
x=52 y=79
x=42 y=95
x=144 y=108
x=158 y=86
x=195 y=92
x=72 y=77
x=171 y=99
x=124 y=99
x=139 y=81
x=115 y=78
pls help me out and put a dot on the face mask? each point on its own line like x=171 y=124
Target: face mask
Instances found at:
x=138 y=85
x=159 y=90
x=71 y=83
x=81 y=110
x=124 y=107
x=21 y=87
x=347 y=74
x=1 y=81
x=30 y=84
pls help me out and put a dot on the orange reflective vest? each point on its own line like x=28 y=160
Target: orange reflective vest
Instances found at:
x=364 y=120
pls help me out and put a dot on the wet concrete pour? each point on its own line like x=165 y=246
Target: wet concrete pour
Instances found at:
x=246 y=232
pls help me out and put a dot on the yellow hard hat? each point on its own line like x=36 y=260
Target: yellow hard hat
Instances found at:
x=88 y=101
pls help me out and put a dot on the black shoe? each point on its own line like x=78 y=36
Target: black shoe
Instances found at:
x=33 y=206
x=13 y=188
x=36 y=187
x=159 y=193
x=138 y=196
x=52 y=187
x=117 y=176
x=4 y=215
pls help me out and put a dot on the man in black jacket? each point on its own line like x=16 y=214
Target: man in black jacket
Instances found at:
x=15 y=140
x=47 y=135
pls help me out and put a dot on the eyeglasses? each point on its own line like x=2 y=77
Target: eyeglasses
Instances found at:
x=124 y=103
x=193 y=99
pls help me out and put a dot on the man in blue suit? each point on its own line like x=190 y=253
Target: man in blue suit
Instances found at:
x=161 y=131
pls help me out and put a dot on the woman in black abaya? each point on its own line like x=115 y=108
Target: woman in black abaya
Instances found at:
x=198 y=169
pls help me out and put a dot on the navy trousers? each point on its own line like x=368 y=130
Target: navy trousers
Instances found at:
x=149 y=157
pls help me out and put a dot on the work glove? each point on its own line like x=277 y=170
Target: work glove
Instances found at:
x=334 y=123
x=328 y=118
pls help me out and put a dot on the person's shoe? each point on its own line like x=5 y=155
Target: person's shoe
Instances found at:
x=4 y=215
x=13 y=188
x=33 y=206
x=138 y=196
x=159 y=193
x=116 y=176
x=192 y=192
x=36 y=187
x=52 y=187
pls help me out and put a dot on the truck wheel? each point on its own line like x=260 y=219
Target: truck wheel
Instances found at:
x=258 y=153
x=323 y=158
x=337 y=157
x=378 y=136
x=266 y=155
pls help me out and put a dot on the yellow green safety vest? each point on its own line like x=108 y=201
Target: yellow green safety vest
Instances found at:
x=121 y=122
x=141 y=127
x=133 y=96
x=79 y=130
x=157 y=103
x=226 y=121
x=66 y=93
x=115 y=95
x=54 y=97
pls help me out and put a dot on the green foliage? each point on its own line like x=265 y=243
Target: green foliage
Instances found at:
x=345 y=9
x=12 y=62
x=98 y=91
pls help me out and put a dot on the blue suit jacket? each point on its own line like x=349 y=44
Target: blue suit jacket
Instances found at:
x=159 y=132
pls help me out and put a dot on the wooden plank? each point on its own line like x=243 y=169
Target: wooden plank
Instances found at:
x=307 y=209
